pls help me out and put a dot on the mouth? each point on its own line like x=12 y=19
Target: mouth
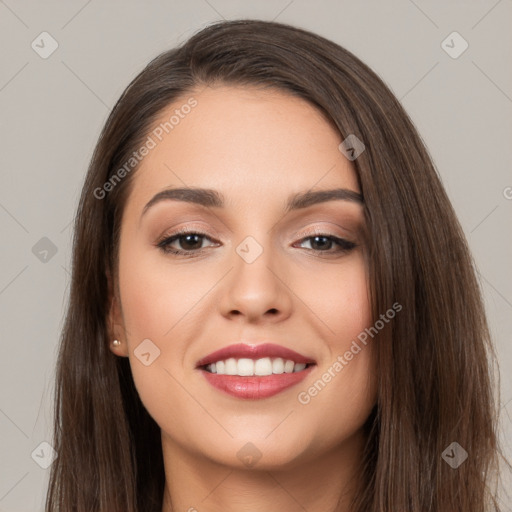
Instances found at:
x=254 y=371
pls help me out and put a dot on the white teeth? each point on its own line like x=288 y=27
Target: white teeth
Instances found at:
x=245 y=367
x=288 y=366
x=299 y=367
x=263 y=366
x=260 y=367
x=231 y=367
x=278 y=366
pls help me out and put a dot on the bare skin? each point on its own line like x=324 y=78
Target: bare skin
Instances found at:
x=257 y=148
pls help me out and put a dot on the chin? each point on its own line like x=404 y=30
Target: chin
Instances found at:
x=260 y=454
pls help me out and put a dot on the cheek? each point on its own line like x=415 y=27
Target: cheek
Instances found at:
x=343 y=391
x=154 y=308
x=158 y=305
x=155 y=296
x=338 y=296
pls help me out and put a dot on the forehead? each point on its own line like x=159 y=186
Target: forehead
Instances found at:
x=251 y=144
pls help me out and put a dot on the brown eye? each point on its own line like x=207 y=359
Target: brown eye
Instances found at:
x=189 y=243
x=324 y=243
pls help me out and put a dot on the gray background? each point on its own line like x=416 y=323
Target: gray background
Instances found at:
x=52 y=111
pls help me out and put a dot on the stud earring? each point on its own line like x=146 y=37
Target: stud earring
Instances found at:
x=116 y=343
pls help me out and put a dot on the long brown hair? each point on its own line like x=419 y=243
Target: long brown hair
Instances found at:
x=435 y=378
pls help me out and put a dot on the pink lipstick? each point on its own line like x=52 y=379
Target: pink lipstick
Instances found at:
x=254 y=371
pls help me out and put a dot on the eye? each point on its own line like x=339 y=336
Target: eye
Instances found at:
x=190 y=241
x=323 y=243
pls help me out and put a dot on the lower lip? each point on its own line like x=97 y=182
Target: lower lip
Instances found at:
x=254 y=388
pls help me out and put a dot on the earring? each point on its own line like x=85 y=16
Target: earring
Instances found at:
x=116 y=343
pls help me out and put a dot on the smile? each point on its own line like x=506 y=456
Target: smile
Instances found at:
x=254 y=371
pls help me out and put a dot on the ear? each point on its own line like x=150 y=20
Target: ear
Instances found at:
x=115 y=320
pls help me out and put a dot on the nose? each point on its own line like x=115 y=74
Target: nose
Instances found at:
x=256 y=291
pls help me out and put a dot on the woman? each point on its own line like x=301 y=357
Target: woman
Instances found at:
x=272 y=306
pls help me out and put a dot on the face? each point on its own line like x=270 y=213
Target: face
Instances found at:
x=250 y=271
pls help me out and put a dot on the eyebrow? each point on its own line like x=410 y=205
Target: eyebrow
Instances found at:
x=211 y=198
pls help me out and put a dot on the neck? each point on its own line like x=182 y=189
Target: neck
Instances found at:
x=325 y=483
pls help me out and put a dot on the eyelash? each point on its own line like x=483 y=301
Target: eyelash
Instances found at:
x=344 y=245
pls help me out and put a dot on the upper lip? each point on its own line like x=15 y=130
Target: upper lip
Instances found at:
x=251 y=351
